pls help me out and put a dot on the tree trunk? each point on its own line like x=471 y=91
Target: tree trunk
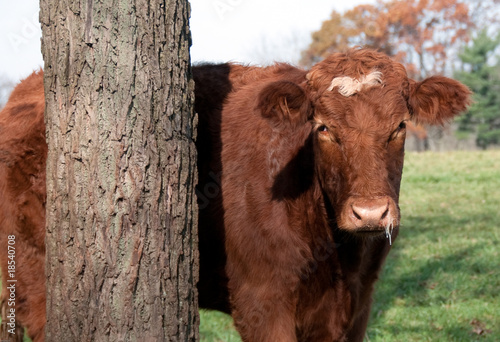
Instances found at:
x=122 y=260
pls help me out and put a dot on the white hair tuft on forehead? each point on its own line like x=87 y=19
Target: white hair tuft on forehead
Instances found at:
x=349 y=86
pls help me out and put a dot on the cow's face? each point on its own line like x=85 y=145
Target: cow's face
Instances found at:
x=362 y=102
x=359 y=151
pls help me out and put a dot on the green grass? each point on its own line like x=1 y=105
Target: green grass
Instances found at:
x=217 y=327
x=441 y=281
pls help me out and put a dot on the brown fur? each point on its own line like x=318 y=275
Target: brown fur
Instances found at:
x=297 y=185
x=23 y=152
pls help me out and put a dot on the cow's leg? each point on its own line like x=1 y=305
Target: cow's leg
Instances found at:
x=262 y=315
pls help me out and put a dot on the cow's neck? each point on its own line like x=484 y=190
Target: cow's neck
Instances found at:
x=349 y=261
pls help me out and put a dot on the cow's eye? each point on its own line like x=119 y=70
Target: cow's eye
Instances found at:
x=323 y=128
x=401 y=129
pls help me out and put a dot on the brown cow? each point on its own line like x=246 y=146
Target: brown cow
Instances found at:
x=299 y=184
x=23 y=152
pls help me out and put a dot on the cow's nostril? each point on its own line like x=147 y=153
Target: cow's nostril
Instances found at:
x=356 y=215
x=384 y=215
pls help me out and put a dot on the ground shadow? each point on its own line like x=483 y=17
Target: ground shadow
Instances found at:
x=416 y=285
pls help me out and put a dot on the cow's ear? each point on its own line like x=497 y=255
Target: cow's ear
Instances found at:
x=437 y=99
x=284 y=101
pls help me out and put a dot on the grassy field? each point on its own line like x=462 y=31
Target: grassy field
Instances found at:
x=441 y=281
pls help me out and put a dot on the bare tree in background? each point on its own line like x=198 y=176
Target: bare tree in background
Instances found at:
x=121 y=262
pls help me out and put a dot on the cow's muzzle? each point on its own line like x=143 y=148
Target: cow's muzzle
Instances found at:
x=369 y=215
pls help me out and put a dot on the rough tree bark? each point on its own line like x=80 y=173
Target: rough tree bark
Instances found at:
x=121 y=239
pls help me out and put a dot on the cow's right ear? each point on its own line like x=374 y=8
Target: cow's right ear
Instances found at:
x=284 y=101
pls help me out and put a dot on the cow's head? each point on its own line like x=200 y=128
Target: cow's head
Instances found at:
x=361 y=102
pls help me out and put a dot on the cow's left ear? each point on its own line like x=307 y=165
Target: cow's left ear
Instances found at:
x=284 y=101
x=437 y=99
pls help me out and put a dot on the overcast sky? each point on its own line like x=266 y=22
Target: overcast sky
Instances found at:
x=251 y=31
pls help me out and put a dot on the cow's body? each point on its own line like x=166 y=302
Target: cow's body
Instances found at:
x=299 y=175
x=23 y=152
x=304 y=280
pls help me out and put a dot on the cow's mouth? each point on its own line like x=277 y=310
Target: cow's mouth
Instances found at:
x=386 y=230
x=370 y=231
